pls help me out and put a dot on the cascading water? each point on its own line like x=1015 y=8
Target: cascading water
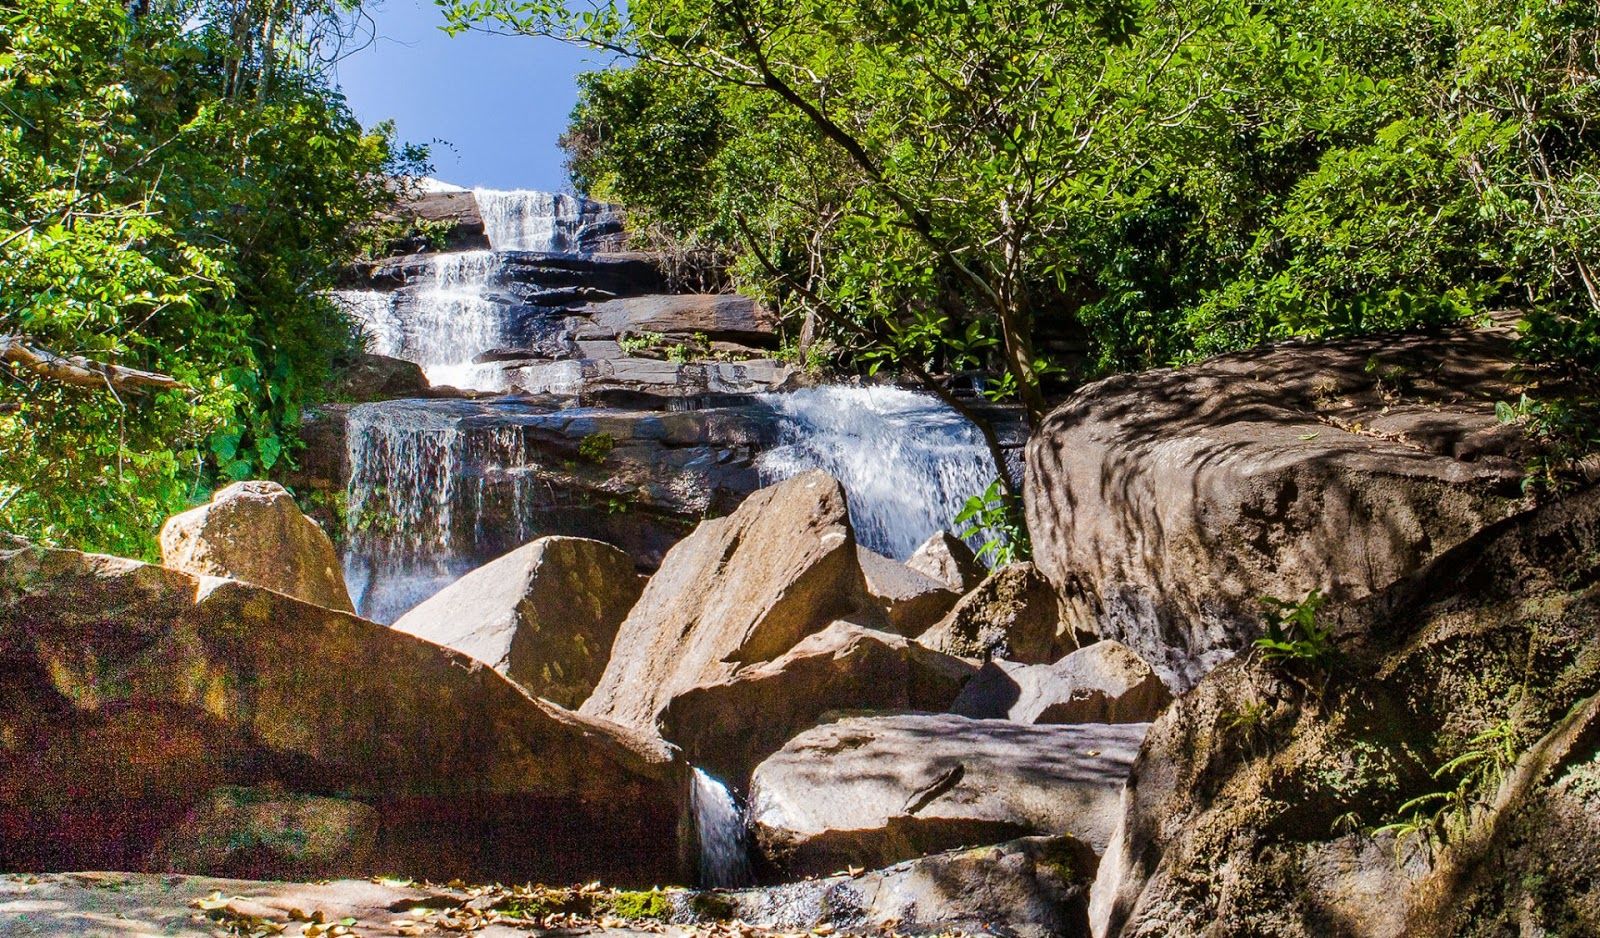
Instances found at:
x=907 y=462
x=719 y=826
x=424 y=475
x=524 y=220
x=443 y=325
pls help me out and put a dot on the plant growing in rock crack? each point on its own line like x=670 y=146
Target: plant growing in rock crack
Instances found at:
x=995 y=516
x=1294 y=641
x=596 y=447
x=634 y=343
x=1476 y=771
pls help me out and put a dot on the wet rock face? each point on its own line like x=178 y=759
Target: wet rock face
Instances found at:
x=727 y=727
x=131 y=691
x=1164 y=505
x=544 y=615
x=254 y=532
x=866 y=791
x=1012 y=614
x=740 y=590
x=1245 y=795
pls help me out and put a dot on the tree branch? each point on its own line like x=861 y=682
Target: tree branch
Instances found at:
x=79 y=371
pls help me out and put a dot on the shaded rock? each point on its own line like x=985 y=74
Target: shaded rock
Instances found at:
x=719 y=317
x=132 y=690
x=1239 y=811
x=650 y=377
x=1035 y=887
x=1164 y=505
x=948 y=559
x=544 y=615
x=1101 y=683
x=729 y=726
x=380 y=378
x=254 y=532
x=866 y=791
x=912 y=601
x=258 y=832
x=740 y=590
x=1012 y=614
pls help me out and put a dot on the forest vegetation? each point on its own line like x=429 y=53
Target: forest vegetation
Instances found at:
x=1023 y=194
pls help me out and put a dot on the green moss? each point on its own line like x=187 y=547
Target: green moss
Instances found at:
x=638 y=905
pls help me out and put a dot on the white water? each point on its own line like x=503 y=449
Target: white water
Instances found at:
x=719 y=826
x=419 y=481
x=524 y=220
x=443 y=325
x=907 y=462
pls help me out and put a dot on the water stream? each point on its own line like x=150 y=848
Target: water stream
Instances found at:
x=907 y=462
x=719 y=826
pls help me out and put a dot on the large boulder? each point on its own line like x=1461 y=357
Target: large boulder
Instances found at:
x=1012 y=614
x=948 y=559
x=1263 y=799
x=544 y=615
x=1034 y=887
x=739 y=591
x=254 y=532
x=1102 y=683
x=867 y=791
x=1163 y=506
x=373 y=377
x=719 y=317
x=912 y=601
x=132 y=691
x=727 y=727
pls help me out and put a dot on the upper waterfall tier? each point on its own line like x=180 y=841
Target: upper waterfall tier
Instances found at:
x=550 y=222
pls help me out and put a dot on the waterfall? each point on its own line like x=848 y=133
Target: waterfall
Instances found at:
x=907 y=462
x=719 y=826
x=523 y=220
x=428 y=479
x=443 y=325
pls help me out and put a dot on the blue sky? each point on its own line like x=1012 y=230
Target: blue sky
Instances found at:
x=500 y=101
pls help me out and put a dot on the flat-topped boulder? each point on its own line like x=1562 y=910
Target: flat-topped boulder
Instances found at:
x=912 y=601
x=1164 y=505
x=1012 y=614
x=1101 y=683
x=379 y=378
x=133 y=691
x=740 y=590
x=544 y=615
x=717 y=317
x=727 y=727
x=254 y=532
x=649 y=378
x=867 y=791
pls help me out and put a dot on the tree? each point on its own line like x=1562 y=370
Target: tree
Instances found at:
x=169 y=221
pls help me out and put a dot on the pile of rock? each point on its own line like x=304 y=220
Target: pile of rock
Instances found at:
x=253 y=727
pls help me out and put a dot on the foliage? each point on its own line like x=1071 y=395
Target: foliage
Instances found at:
x=596 y=447
x=994 y=516
x=176 y=191
x=1474 y=773
x=1293 y=636
x=940 y=187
